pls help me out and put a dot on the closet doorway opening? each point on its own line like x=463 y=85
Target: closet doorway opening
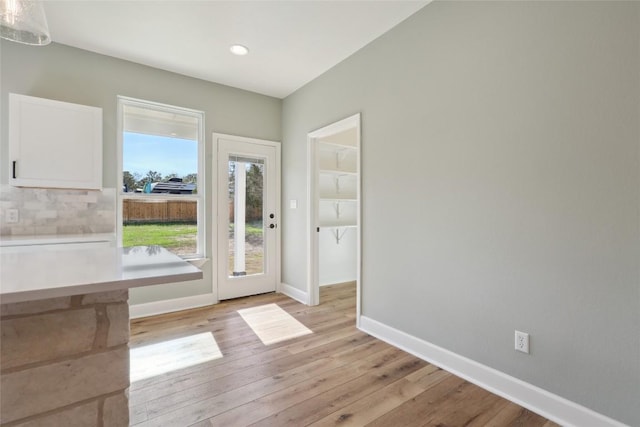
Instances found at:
x=334 y=201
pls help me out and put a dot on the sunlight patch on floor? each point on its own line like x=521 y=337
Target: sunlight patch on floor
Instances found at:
x=155 y=359
x=272 y=324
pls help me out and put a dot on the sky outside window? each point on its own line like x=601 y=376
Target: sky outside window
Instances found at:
x=142 y=153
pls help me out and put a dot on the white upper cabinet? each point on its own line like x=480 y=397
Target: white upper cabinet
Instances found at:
x=54 y=144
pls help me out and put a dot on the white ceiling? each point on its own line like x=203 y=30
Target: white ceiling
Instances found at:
x=291 y=42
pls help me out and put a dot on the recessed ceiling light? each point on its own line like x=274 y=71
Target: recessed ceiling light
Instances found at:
x=238 y=49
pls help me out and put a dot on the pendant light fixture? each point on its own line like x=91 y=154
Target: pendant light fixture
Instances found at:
x=24 y=21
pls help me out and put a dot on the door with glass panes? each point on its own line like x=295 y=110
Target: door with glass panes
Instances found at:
x=247 y=216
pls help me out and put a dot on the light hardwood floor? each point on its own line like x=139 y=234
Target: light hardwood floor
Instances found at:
x=336 y=375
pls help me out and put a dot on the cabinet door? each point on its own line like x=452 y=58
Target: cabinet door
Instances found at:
x=54 y=144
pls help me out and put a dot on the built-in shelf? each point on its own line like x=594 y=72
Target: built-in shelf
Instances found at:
x=338 y=201
x=337 y=225
x=339 y=172
x=332 y=146
x=338 y=231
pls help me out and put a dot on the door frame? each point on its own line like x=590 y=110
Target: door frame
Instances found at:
x=215 y=211
x=313 y=252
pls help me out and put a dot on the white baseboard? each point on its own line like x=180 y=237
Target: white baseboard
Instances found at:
x=168 y=306
x=549 y=405
x=294 y=293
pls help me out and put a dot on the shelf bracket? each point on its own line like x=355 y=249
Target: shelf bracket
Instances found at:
x=336 y=206
x=340 y=156
x=338 y=235
x=336 y=180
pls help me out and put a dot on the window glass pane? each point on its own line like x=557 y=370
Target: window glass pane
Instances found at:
x=246 y=225
x=160 y=179
x=169 y=223
x=149 y=160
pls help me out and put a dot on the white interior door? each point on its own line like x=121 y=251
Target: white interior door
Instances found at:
x=248 y=214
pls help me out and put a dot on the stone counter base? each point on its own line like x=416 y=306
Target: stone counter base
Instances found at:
x=65 y=361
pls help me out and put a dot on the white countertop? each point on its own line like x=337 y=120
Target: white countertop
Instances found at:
x=40 y=274
x=56 y=239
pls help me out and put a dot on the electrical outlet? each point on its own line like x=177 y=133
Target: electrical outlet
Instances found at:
x=522 y=342
x=12 y=216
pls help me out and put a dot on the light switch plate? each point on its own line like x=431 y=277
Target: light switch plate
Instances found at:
x=293 y=204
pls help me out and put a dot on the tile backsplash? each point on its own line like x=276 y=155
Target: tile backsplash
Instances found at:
x=53 y=211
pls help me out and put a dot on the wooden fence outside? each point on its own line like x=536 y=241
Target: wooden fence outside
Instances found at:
x=153 y=211
x=252 y=213
x=149 y=211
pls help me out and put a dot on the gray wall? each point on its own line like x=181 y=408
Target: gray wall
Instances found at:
x=73 y=75
x=500 y=167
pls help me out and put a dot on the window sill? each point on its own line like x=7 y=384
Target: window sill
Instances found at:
x=197 y=262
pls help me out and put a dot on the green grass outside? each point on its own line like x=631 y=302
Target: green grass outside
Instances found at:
x=171 y=236
x=250 y=228
x=179 y=238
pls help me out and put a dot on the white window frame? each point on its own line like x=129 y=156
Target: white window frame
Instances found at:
x=199 y=197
